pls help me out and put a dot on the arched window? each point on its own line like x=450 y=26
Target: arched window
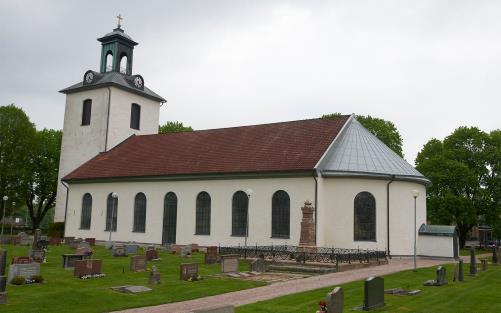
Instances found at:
x=239 y=210
x=109 y=61
x=111 y=213
x=203 y=214
x=123 y=64
x=86 y=211
x=135 y=116
x=280 y=215
x=170 y=218
x=86 y=112
x=365 y=217
x=139 y=213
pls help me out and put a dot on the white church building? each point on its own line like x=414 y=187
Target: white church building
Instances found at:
x=120 y=178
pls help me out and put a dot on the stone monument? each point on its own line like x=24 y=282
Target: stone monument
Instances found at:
x=188 y=270
x=473 y=262
x=3 y=278
x=495 y=256
x=373 y=294
x=154 y=276
x=307 y=235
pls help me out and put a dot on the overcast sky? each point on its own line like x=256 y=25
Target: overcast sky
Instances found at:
x=427 y=66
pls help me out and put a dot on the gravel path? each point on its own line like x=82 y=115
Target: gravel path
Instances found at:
x=243 y=297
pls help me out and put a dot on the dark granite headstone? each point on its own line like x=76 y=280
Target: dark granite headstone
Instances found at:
x=335 y=300
x=373 y=293
x=188 y=270
x=151 y=255
x=483 y=263
x=3 y=298
x=25 y=270
x=185 y=251
x=21 y=260
x=473 y=262
x=87 y=267
x=138 y=263
x=119 y=250
x=258 y=265
x=154 y=276
x=211 y=255
x=440 y=279
x=68 y=260
x=458 y=271
x=3 y=261
x=3 y=283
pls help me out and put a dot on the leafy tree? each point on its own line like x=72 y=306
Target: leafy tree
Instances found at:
x=174 y=127
x=382 y=129
x=42 y=183
x=17 y=135
x=464 y=170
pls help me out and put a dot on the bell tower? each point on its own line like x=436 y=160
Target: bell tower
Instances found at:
x=117 y=51
x=105 y=108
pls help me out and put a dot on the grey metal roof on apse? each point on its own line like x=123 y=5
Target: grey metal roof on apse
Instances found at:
x=357 y=152
x=113 y=79
x=437 y=230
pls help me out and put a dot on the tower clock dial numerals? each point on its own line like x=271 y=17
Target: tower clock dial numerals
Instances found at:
x=138 y=82
x=89 y=77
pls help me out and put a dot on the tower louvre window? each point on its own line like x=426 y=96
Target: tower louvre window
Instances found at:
x=135 y=116
x=86 y=112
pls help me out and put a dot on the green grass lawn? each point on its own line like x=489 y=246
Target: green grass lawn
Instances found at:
x=474 y=295
x=64 y=293
x=477 y=251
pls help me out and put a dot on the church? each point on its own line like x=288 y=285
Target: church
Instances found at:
x=120 y=180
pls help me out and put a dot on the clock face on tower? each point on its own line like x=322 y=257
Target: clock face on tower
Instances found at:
x=138 y=82
x=89 y=77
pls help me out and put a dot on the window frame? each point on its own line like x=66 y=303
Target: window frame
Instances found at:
x=274 y=232
x=239 y=220
x=132 y=116
x=360 y=235
x=86 y=212
x=203 y=214
x=140 y=209
x=86 y=119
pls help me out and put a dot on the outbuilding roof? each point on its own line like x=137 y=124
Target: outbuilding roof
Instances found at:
x=269 y=148
x=437 y=230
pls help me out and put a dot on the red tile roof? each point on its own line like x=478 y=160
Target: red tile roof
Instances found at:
x=278 y=147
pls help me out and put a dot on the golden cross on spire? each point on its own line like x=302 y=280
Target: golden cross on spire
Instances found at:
x=120 y=18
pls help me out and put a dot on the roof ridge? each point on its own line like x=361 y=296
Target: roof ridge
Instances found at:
x=252 y=125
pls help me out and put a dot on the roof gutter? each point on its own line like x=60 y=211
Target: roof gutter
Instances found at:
x=415 y=179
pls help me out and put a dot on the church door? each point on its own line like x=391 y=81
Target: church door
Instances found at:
x=170 y=218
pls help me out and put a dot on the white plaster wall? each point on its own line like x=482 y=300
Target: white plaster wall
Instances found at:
x=121 y=102
x=336 y=213
x=221 y=192
x=436 y=246
x=81 y=143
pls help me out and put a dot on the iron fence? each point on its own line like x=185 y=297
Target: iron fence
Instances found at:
x=303 y=255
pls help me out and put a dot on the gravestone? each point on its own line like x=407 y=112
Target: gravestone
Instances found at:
x=307 y=235
x=131 y=289
x=87 y=267
x=3 y=283
x=185 y=251
x=3 y=298
x=84 y=250
x=458 y=271
x=67 y=240
x=83 y=244
x=21 y=260
x=194 y=247
x=258 y=265
x=188 y=270
x=25 y=270
x=37 y=255
x=24 y=239
x=131 y=248
x=211 y=255
x=473 y=262
x=495 y=256
x=91 y=241
x=335 y=300
x=219 y=309
x=68 y=260
x=3 y=262
x=229 y=263
x=154 y=276
x=36 y=238
x=483 y=263
x=119 y=250
x=138 y=263
x=151 y=255
x=373 y=293
x=440 y=279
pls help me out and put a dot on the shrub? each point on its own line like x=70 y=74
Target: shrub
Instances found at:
x=56 y=230
x=18 y=280
x=37 y=278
